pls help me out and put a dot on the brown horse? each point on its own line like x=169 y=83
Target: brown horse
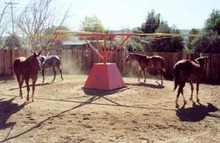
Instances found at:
x=192 y=71
x=26 y=69
x=147 y=62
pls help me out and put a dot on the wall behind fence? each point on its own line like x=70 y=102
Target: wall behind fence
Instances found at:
x=81 y=61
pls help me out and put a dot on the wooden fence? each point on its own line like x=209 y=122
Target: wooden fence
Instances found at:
x=81 y=61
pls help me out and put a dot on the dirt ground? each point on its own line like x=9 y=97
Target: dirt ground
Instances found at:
x=64 y=112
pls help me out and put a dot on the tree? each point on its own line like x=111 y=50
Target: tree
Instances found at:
x=154 y=24
x=209 y=42
x=13 y=41
x=213 y=22
x=151 y=23
x=189 y=48
x=163 y=28
x=37 y=16
x=92 y=24
x=176 y=43
x=3 y=23
x=167 y=43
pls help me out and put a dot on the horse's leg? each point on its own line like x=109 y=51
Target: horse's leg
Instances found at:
x=28 y=88
x=33 y=88
x=192 y=88
x=54 y=73
x=43 y=74
x=139 y=75
x=180 y=90
x=197 y=92
x=20 y=80
x=59 y=68
x=144 y=75
x=161 y=77
x=177 y=97
x=184 y=99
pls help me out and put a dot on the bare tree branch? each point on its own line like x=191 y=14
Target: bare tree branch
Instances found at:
x=33 y=19
x=2 y=26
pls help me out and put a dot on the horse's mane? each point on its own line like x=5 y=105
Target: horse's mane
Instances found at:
x=30 y=57
x=201 y=60
x=138 y=54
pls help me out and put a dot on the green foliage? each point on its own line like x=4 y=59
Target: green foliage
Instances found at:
x=134 y=45
x=92 y=24
x=209 y=42
x=176 y=43
x=188 y=50
x=189 y=45
x=163 y=28
x=213 y=22
x=152 y=22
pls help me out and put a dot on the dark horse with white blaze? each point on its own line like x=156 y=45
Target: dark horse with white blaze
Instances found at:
x=53 y=61
x=147 y=62
x=26 y=69
x=189 y=71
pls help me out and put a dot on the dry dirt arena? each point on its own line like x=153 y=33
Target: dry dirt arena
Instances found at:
x=64 y=112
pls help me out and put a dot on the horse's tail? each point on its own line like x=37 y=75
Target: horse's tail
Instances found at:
x=59 y=57
x=15 y=66
x=176 y=76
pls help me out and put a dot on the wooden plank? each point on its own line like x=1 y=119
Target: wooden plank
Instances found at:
x=83 y=60
x=1 y=62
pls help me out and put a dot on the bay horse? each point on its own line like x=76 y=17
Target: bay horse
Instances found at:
x=189 y=71
x=51 y=61
x=147 y=62
x=26 y=69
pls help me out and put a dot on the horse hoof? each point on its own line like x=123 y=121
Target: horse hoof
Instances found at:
x=158 y=83
x=27 y=99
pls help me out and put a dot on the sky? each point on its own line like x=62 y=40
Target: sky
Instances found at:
x=122 y=14
x=118 y=14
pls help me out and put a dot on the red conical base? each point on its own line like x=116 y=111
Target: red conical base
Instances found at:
x=105 y=77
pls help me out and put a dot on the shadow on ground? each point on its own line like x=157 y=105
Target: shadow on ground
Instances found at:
x=7 y=109
x=196 y=112
x=157 y=86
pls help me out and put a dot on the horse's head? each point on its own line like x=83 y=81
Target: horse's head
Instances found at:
x=42 y=59
x=202 y=61
x=37 y=57
x=129 y=57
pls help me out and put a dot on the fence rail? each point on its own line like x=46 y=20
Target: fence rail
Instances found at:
x=81 y=61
